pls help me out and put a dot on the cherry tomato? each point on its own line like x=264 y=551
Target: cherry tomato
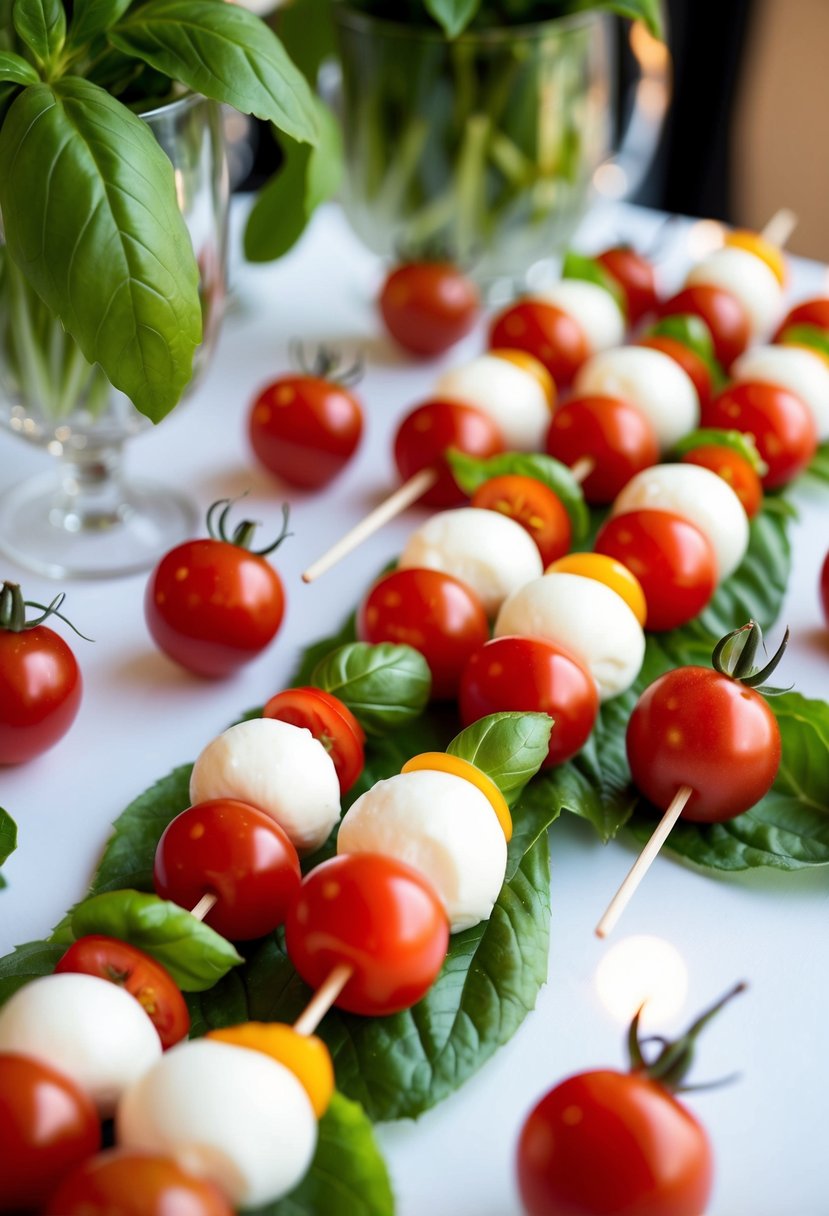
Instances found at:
x=780 y=424
x=548 y=333
x=424 y=435
x=734 y=469
x=122 y=1182
x=673 y=561
x=531 y=675
x=534 y=506
x=153 y=987
x=40 y=682
x=328 y=720
x=212 y=605
x=722 y=313
x=377 y=914
x=428 y=306
x=824 y=587
x=807 y=312
x=608 y=1143
x=306 y=428
x=636 y=277
x=690 y=363
x=697 y=727
x=436 y=614
x=235 y=852
x=614 y=435
x=47 y=1126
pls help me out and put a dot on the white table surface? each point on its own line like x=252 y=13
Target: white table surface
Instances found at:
x=141 y=716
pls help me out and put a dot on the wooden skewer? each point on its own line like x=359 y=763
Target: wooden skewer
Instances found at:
x=394 y=505
x=643 y=862
x=323 y=999
x=582 y=469
x=780 y=227
x=204 y=906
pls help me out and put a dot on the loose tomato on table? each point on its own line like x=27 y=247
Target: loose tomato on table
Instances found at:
x=428 y=306
x=547 y=333
x=328 y=720
x=725 y=317
x=214 y=604
x=123 y=1182
x=636 y=276
x=425 y=434
x=535 y=506
x=153 y=987
x=611 y=433
x=734 y=469
x=782 y=427
x=40 y=681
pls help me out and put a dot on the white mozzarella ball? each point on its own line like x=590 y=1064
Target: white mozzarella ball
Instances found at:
x=281 y=769
x=594 y=308
x=225 y=1113
x=584 y=617
x=509 y=395
x=91 y=1030
x=793 y=367
x=489 y=552
x=746 y=277
x=651 y=381
x=441 y=825
x=701 y=497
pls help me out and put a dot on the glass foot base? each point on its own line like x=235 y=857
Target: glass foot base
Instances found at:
x=41 y=532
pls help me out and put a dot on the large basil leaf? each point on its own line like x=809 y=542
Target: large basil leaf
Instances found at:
x=92 y=17
x=385 y=686
x=41 y=24
x=130 y=852
x=89 y=204
x=28 y=962
x=509 y=747
x=195 y=955
x=8 y=839
x=470 y=472
x=453 y=15
x=14 y=69
x=224 y=52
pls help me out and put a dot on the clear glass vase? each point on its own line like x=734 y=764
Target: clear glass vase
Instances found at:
x=85 y=517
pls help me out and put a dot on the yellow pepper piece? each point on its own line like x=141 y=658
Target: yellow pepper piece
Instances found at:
x=442 y=762
x=304 y=1054
x=742 y=238
x=609 y=571
x=528 y=363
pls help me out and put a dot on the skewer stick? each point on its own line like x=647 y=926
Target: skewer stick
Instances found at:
x=582 y=469
x=323 y=999
x=394 y=505
x=780 y=227
x=643 y=862
x=204 y=906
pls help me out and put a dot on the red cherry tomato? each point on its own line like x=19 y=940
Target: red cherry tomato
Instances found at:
x=824 y=587
x=235 y=852
x=614 y=435
x=607 y=1143
x=151 y=984
x=328 y=720
x=212 y=605
x=424 y=435
x=428 y=306
x=807 y=312
x=690 y=363
x=379 y=915
x=734 y=469
x=671 y=558
x=722 y=313
x=636 y=277
x=436 y=614
x=126 y=1183
x=780 y=424
x=549 y=334
x=534 y=506
x=47 y=1126
x=531 y=675
x=694 y=726
x=305 y=429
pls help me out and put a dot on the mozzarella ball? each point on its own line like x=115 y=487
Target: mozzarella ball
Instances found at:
x=489 y=552
x=594 y=308
x=793 y=367
x=281 y=769
x=442 y=826
x=651 y=381
x=747 y=278
x=585 y=617
x=511 y=396
x=91 y=1030
x=701 y=497
x=228 y=1114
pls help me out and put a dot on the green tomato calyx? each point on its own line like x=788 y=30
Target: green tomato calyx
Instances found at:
x=13 y=611
x=673 y=1060
x=328 y=363
x=734 y=656
x=242 y=534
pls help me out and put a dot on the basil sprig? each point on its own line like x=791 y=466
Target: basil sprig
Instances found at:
x=470 y=472
x=8 y=839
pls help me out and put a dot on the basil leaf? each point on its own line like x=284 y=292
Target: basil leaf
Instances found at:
x=313 y=655
x=453 y=15
x=14 y=69
x=224 y=52
x=692 y=332
x=7 y=95
x=470 y=472
x=41 y=24
x=819 y=468
x=195 y=955
x=307 y=33
x=755 y=590
x=806 y=335
x=579 y=266
x=8 y=839
x=128 y=858
x=509 y=747
x=28 y=962
x=384 y=686
x=648 y=11
x=738 y=441
x=79 y=176
x=93 y=17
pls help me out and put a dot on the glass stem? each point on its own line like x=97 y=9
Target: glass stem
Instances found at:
x=91 y=493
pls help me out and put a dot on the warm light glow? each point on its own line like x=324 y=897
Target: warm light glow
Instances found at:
x=704 y=237
x=611 y=181
x=643 y=971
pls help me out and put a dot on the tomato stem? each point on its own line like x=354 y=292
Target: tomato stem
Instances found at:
x=734 y=656
x=327 y=363
x=13 y=611
x=242 y=534
x=674 y=1059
